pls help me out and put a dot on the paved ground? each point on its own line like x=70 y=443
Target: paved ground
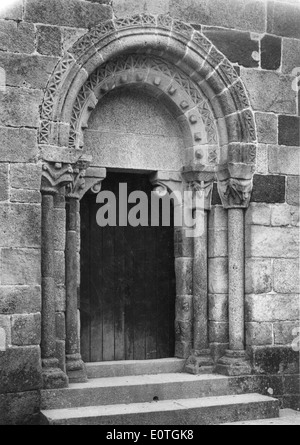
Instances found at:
x=287 y=417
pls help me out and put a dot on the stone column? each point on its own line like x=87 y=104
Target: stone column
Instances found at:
x=82 y=182
x=54 y=176
x=235 y=194
x=200 y=359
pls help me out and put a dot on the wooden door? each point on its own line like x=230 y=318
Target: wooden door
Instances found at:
x=127 y=284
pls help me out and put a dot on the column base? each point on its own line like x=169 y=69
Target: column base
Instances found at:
x=76 y=369
x=199 y=362
x=53 y=376
x=234 y=363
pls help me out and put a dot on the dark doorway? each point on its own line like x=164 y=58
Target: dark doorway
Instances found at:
x=128 y=283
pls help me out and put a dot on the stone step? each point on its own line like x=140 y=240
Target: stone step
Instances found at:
x=287 y=417
x=133 y=389
x=135 y=367
x=201 y=411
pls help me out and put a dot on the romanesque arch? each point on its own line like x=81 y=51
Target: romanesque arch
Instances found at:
x=179 y=64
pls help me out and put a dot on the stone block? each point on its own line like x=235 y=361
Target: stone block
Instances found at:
x=5 y=325
x=268 y=189
x=60 y=298
x=247 y=15
x=20 y=225
x=25 y=196
x=283 y=19
x=60 y=325
x=217 y=243
x=28 y=71
x=61 y=354
x=259 y=274
x=184 y=276
x=272 y=307
x=280 y=360
x=284 y=160
x=13 y=11
x=292 y=192
x=272 y=242
x=20 y=369
x=218 y=307
x=286 y=276
x=290 y=55
x=49 y=40
x=17 y=37
x=237 y=46
x=26 y=329
x=20 y=266
x=262 y=161
x=131 y=7
x=59 y=240
x=59 y=267
x=269 y=91
x=20 y=299
x=18 y=144
x=70 y=36
x=218 y=218
x=258 y=334
x=4 y=192
x=289 y=130
x=291 y=384
x=258 y=214
x=218 y=275
x=19 y=107
x=218 y=332
x=267 y=128
x=285 y=215
x=73 y=13
x=20 y=408
x=284 y=332
x=270 y=52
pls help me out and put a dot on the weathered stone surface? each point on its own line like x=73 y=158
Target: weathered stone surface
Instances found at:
x=19 y=107
x=17 y=37
x=269 y=91
x=284 y=160
x=292 y=193
x=26 y=329
x=18 y=144
x=217 y=243
x=20 y=266
x=284 y=333
x=59 y=240
x=60 y=13
x=20 y=369
x=5 y=324
x=291 y=384
x=286 y=276
x=25 y=196
x=267 y=128
x=258 y=276
x=268 y=189
x=13 y=11
x=60 y=298
x=70 y=36
x=258 y=334
x=237 y=46
x=218 y=307
x=272 y=307
x=262 y=161
x=184 y=277
x=61 y=354
x=19 y=408
x=2 y=339
x=218 y=218
x=218 y=275
x=283 y=19
x=275 y=360
x=272 y=242
x=49 y=40
x=20 y=225
x=258 y=214
x=20 y=299
x=218 y=332
x=59 y=267
x=132 y=7
x=285 y=215
x=4 y=191
x=28 y=71
x=270 y=52
x=60 y=325
x=289 y=130
x=290 y=55
x=246 y=15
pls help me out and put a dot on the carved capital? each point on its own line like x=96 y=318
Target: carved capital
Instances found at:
x=235 y=193
x=204 y=189
x=164 y=182
x=93 y=181
x=79 y=172
x=55 y=176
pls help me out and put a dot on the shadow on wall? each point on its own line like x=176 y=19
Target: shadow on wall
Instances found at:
x=2 y=340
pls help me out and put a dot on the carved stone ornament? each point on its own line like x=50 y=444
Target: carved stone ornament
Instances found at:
x=74 y=189
x=55 y=176
x=203 y=189
x=235 y=193
x=92 y=181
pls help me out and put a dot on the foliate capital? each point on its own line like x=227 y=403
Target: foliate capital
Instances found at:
x=235 y=184
x=55 y=176
x=79 y=172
